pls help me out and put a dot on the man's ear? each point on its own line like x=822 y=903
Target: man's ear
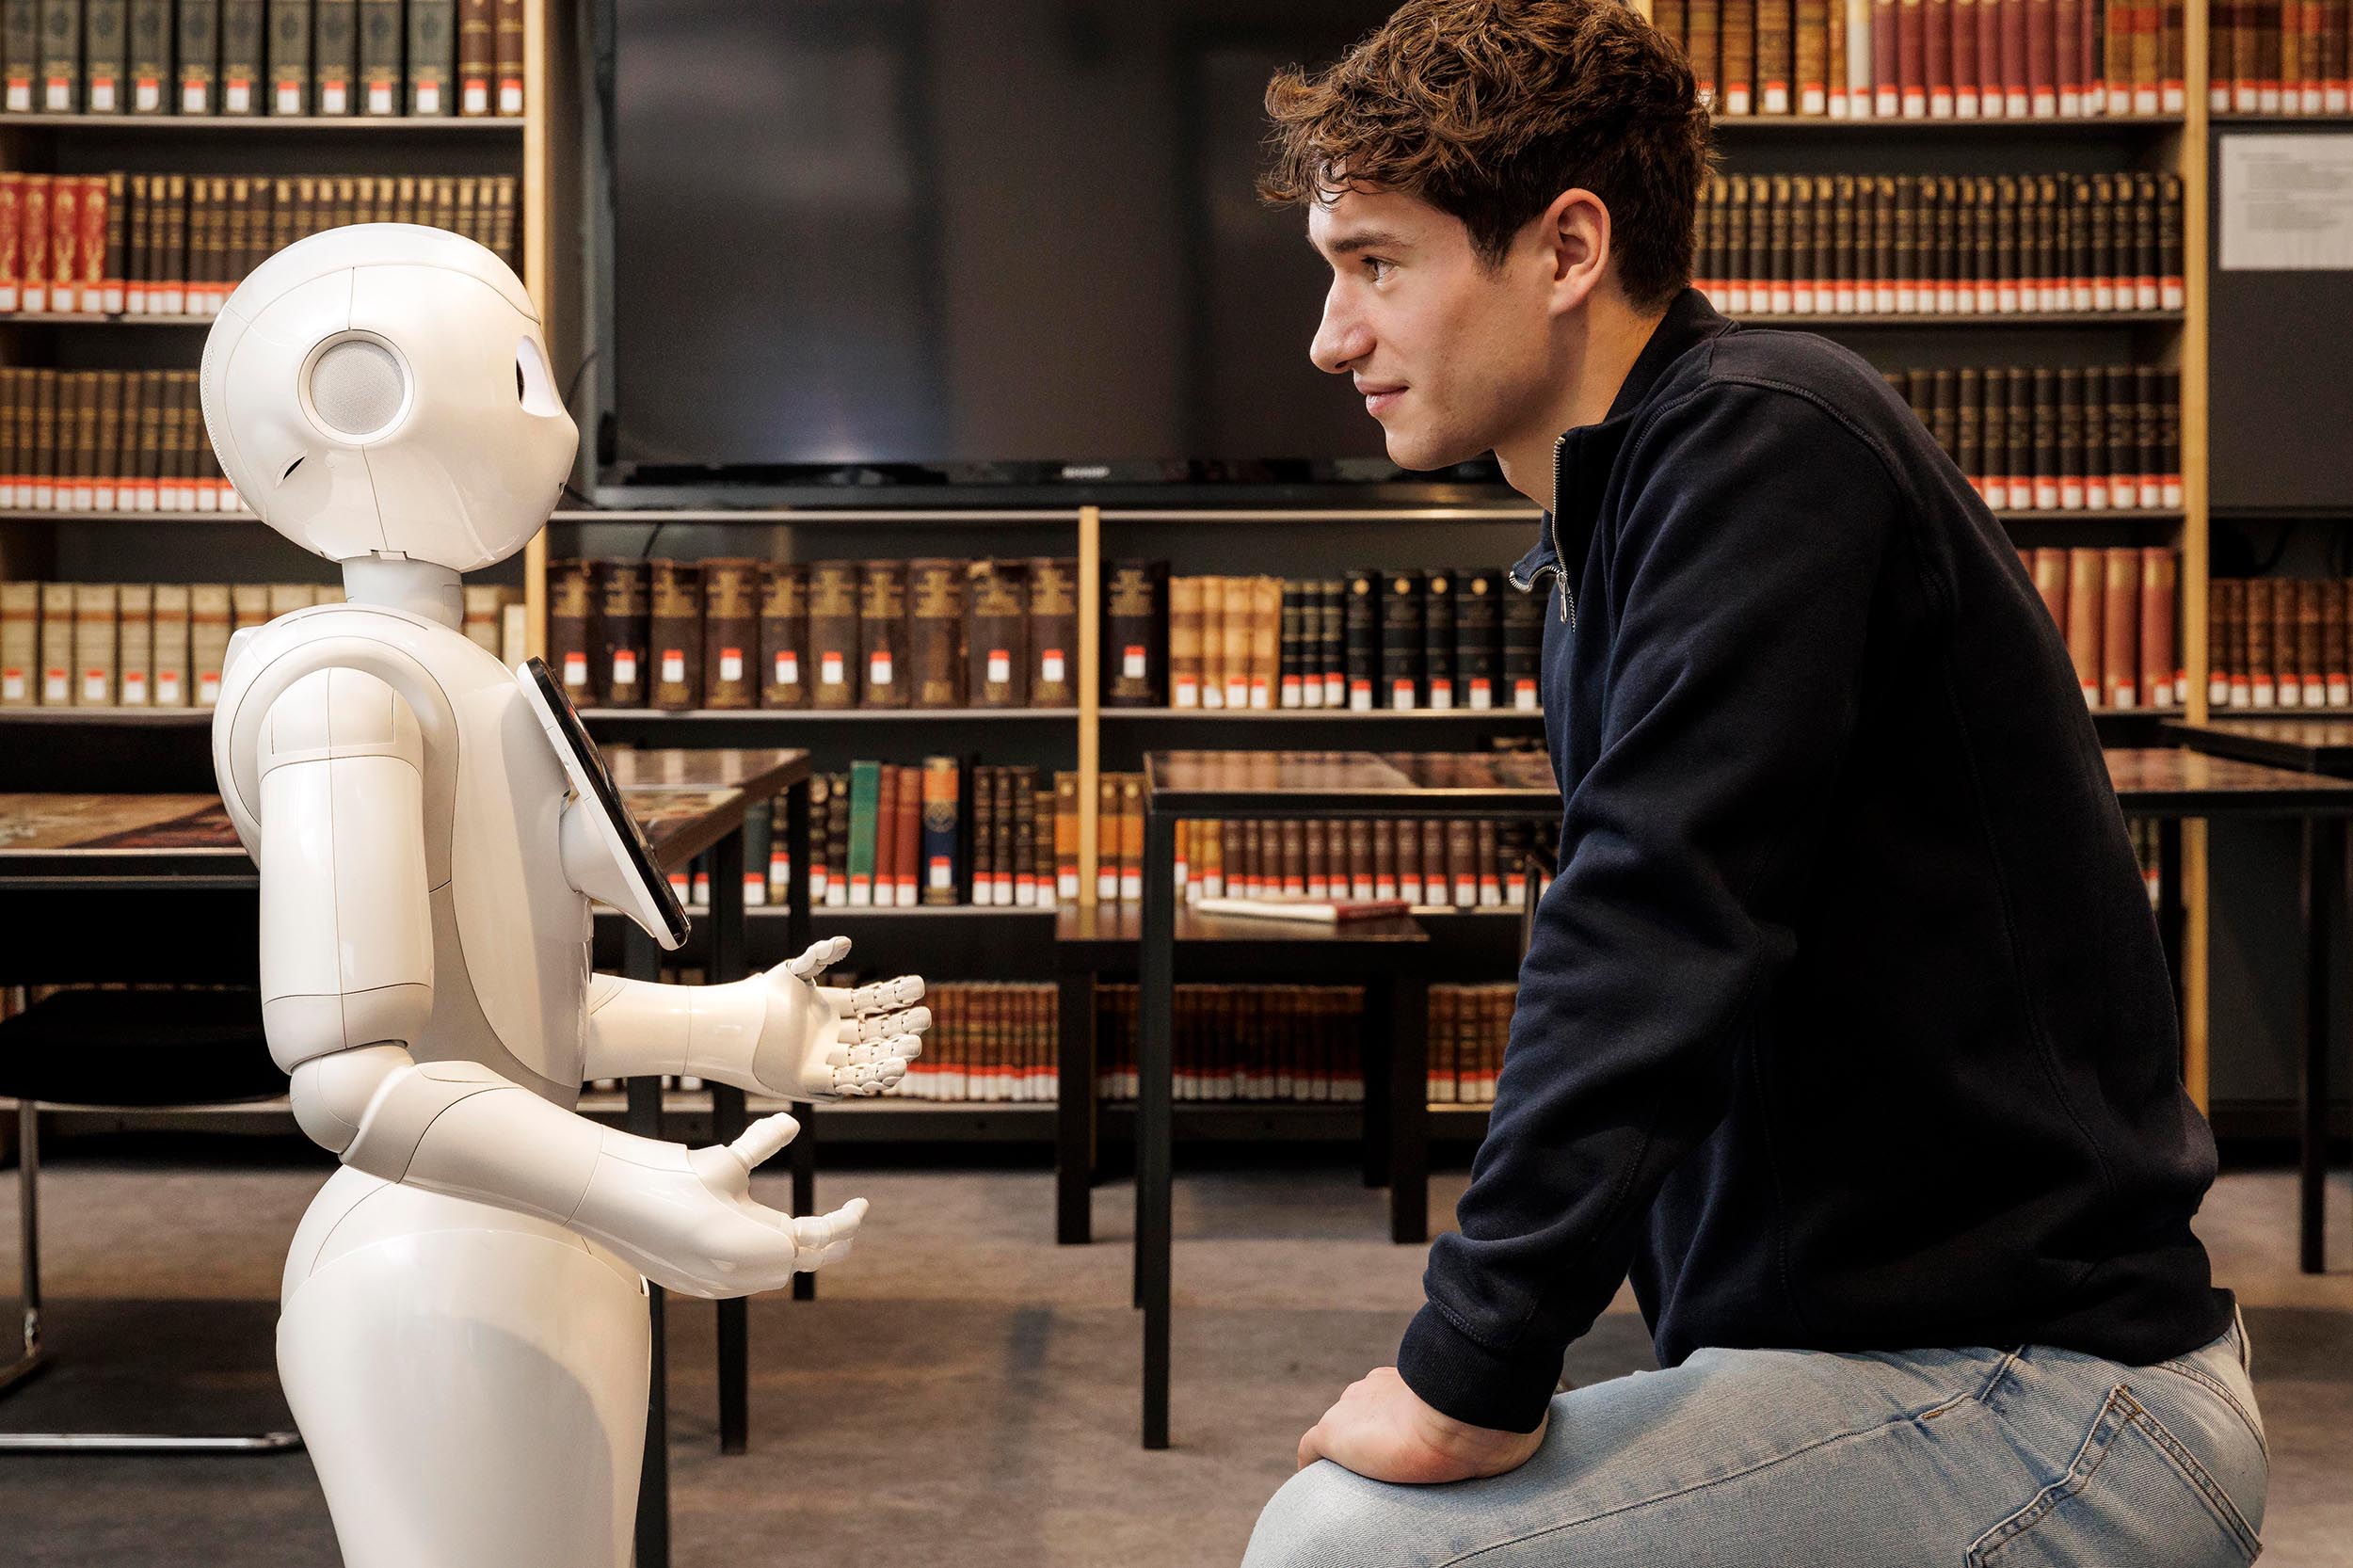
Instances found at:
x=1574 y=232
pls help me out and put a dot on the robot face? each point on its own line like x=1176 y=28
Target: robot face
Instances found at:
x=383 y=388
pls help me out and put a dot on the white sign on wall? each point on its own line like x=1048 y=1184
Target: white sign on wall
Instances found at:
x=2287 y=202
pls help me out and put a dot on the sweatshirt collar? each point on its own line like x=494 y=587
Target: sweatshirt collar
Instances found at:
x=1583 y=457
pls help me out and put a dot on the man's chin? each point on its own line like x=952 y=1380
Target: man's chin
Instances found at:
x=1422 y=454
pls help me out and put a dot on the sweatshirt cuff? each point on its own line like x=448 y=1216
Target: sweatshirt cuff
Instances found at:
x=1457 y=1376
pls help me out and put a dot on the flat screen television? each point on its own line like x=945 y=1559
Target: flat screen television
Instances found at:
x=881 y=243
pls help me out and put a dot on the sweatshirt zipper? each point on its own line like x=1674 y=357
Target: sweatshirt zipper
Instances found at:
x=1552 y=522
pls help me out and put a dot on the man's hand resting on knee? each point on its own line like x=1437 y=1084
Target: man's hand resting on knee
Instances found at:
x=1381 y=1429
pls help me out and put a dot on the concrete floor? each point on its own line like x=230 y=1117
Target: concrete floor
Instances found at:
x=965 y=1391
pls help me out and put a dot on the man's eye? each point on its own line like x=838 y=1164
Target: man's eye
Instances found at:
x=1376 y=268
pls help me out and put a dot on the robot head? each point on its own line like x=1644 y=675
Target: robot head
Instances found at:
x=384 y=390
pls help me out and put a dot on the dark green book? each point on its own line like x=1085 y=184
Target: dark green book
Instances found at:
x=243 y=28
x=200 y=56
x=61 y=55
x=380 y=40
x=865 y=800
x=149 y=76
x=102 y=53
x=290 y=56
x=19 y=45
x=432 y=56
x=335 y=58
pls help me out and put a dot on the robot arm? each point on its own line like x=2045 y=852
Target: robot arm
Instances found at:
x=776 y=1033
x=347 y=988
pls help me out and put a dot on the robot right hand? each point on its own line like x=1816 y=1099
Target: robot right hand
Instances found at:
x=686 y=1220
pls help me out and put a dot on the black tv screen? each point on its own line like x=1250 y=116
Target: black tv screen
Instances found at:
x=968 y=240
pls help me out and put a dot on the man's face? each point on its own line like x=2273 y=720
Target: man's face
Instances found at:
x=1450 y=354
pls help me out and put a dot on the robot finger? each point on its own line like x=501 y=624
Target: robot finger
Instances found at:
x=886 y=995
x=818 y=958
x=871 y=1027
x=764 y=1138
x=818 y=1236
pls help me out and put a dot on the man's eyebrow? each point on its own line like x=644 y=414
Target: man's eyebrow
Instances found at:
x=1365 y=239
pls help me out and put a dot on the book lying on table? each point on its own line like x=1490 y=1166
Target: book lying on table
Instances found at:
x=1314 y=911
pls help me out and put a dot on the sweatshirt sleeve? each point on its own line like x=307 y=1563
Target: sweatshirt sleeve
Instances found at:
x=1741 y=581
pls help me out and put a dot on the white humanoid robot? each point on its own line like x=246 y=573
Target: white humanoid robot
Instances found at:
x=463 y=1332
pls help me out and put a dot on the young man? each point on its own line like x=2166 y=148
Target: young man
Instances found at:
x=1846 y=1028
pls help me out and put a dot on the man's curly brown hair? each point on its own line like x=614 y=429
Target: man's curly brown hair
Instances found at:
x=1488 y=109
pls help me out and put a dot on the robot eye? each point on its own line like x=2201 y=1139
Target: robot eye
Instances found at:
x=535 y=388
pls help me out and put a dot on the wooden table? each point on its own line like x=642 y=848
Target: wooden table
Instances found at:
x=1229 y=785
x=90 y=849
x=2315 y=745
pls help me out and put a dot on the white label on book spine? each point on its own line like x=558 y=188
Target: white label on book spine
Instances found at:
x=878 y=668
x=93 y=686
x=730 y=664
x=380 y=98
x=168 y=689
x=999 y=667
x=1050 y=665
x=334 y=98
x=1131 y=665
x=673 y=665
x=624 y=668
x=788 y=669
x=477 y=98
x=238 y=97
x=12 y=685
x=576 y=669
x=829 y=671
x=428 y=98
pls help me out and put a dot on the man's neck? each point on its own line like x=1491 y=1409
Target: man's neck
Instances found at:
x=1615 y=335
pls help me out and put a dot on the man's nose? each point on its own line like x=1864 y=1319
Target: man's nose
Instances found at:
x=1339 y=341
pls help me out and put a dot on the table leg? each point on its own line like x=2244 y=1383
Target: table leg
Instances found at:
x=799 y=927
x=1154 y=1112
x=1409 y=1108
x=2323 y=866
x=1074 y=1110
x=642 y=960
x=727 y=1124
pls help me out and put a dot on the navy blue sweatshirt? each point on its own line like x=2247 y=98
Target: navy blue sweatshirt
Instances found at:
x=1846 y=1024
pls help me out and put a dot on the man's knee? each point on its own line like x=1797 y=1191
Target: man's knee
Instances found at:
x=1328 y=1517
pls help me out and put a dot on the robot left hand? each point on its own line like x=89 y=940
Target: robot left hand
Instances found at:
x=826 y=1043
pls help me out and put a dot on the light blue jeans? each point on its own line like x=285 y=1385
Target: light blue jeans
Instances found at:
x=1810 y=1458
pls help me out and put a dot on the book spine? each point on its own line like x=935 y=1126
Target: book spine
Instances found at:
x=730 y=632
x=941 y=870
x=103 y=44
x=935 y=632
x=833 y=633
x=570 y=630
x=1402 y=642
x=1135 y=642
x=289 y=57
x=997 y=600
x=882 y=633
x=865 y=801
x=432 y=56
x=1066 y=838
x=1437 y=647
x=2086 y=636
x=477 y=56
x=382 y=32
x=2120 y=656
x=1702 y=28
x=676 y=634
x=1363 y=656
x=61 y=57
x=1775 y=55
x=783 y=635
x=1478 y=637
x=335 y=58
x=1184 y=642
x=1936 y=63
x=1815 y=68
x=886 y=893
x=510 y=56
x=2337 y=680
x=243 y=45
x=1053 y=633
x=1737 y=41
x=620 y=589
x=1266 y=620
x=1240 y=605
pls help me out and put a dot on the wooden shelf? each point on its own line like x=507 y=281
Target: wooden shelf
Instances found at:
x=124 y=716
x=1815 y=320
x=2030 y=126
x=826 y=715
x=1312 y=715
x=68 y=514
x=2105 y=514
x=96 y=318
x=209 y=124
x=2249 y=117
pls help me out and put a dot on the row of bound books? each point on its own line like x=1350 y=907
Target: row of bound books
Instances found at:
x=1931 y=59
x=2278 y=642
x=108 y=441
x=2278 y=57
x=178 y=244
x=1279 y=1044
x=1941 y=245
x=732 y=633
x=1405 y=640
x=2058 y=439
x=372 y=58
x=990 y=1043
x=1469 y=1025
x=950 y=831
x=2116 y=608
x=160 y=645
x=1431 y=863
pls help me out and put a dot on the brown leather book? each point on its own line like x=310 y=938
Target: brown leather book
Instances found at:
x=569 y=630
x=2086 y=582
x=1044 y=854
x=1737 y=73
x=2308 y=668
x=1021 y=805
x=1131 y=837
x=935 y=632
x=2257 y=642
x=1701 y=44
x=676 y=634
x=1107 y=838
x=509 y=41
x=907 y=833
x=2157 y=662
x=1266 y=622
x=784 y=636
x=1462 y=855
x=885 y=892
x=1291 y=852
x=1241 y=603
x=2119 y=628
x=477 y=56
x=1212 y=591
x=1066 y=837
x=1774 y=61
x=1386 y=834
x=998 y=602
x=1184 y=641
x=1314 y=861
x=1358 y=862
x=1053 y=633
x=2336 y=679
x=983 y=784
x=2285 y=677
x=622 y=602
x=833 y=633
x=730 y=632
x=1135 y=641
x=1814 y=46
x=882 y=633
x=2221 y=651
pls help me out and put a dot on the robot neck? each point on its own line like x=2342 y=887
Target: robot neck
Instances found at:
x=420 y=587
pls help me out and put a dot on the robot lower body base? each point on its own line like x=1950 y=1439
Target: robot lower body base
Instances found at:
x=471 y=1384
